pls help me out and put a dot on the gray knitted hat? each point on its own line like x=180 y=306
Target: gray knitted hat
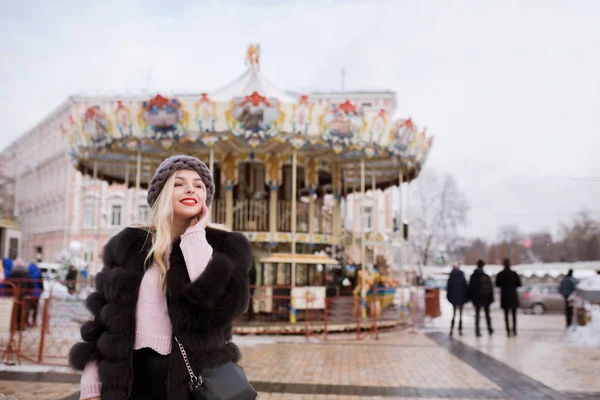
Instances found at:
x=174 y=164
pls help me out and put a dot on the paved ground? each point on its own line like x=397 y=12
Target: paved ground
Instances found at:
x=540 y=352
x=538 y=364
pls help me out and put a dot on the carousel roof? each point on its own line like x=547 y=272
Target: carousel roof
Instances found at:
x=252 y=81
x=249 y=119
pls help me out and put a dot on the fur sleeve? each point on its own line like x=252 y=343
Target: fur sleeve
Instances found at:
x=84 y=352
x=221 y=293
x=114 y=260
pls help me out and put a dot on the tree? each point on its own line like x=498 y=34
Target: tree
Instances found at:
x=477 y=251
x=493 y=255
x=511 y=244
x=582 y=239
x=579 y=241
x=440 y=208
x=542 y=248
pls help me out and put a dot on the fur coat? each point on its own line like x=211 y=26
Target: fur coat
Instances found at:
x=201 y=312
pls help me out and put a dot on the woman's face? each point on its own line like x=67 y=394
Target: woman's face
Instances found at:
x=189 y=195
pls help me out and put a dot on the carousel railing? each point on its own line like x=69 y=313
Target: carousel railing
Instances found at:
x=284 y=216
x=284 y=213
x=253 y=216
x=302 y=217
x=218 y=211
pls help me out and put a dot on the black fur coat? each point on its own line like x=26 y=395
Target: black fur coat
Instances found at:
x=201 y=312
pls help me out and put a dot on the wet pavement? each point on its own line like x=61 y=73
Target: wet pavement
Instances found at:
x=540 y=351
x=537 y=364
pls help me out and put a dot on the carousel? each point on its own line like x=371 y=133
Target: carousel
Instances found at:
x=282 y=164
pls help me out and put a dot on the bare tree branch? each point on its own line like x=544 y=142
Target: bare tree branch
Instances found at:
x=440 y=209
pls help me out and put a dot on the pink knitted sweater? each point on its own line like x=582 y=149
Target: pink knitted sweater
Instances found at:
x=153 y=326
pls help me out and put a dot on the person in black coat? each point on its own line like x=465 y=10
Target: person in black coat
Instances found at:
x=457 y=294
x=508 y=281
x=71 y=279
x=481 y=294
x=152 y=264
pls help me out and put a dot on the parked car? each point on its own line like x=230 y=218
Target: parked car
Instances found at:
x=541 y=298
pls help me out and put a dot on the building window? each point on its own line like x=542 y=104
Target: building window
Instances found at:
x=88 y=214
x=368 y=217
x=115 y=219
x=142 y=214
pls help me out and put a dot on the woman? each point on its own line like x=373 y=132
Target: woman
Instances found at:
x=458 y=295
x=175 y=278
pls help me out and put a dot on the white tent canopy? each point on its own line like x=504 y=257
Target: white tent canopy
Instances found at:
x=581 y=270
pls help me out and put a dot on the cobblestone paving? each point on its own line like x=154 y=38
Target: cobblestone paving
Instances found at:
x=398 y=360
x=283 y=396
x=400 y=365
x=38 y=390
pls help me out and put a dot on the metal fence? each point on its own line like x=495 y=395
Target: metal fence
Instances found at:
x=41 y=328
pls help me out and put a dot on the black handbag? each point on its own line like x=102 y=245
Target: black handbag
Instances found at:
x=225 y=382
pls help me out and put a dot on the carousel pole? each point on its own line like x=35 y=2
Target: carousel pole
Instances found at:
x=400 y=226
x=335 y=228
x=273 y=210
x=399 y=222
x=211 y=165
x=363 y=291
x=138 y=177
x=229 y=204
x=98 y=216
x=311 y=206
x=355 y=211
x=374 y=211
x=311 y=213
x=273 y=187
x=294 y=212
x=408 y=239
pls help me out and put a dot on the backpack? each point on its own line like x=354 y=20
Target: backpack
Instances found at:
x=486 y=285
x=567 y=286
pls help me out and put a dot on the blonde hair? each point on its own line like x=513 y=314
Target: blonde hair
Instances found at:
x=161 y=228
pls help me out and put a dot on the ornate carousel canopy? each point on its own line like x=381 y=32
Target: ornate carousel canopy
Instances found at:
x=249 y=117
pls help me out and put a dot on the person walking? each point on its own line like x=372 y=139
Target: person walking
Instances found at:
x=38 y=289
x=19 y=276
x=481 y=294
x=457 y=294
x=508 y=281
x=166 y=300
x=568 y=284
x=7 y=266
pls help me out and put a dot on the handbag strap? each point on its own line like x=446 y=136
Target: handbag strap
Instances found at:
x=194 y=380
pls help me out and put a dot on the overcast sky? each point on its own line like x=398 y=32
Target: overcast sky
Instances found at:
x=510 y=89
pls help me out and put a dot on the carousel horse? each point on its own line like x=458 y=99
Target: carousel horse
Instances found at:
x=380 y=290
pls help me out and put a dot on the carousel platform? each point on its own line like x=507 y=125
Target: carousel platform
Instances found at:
x=340 y=315
x=316 y=327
